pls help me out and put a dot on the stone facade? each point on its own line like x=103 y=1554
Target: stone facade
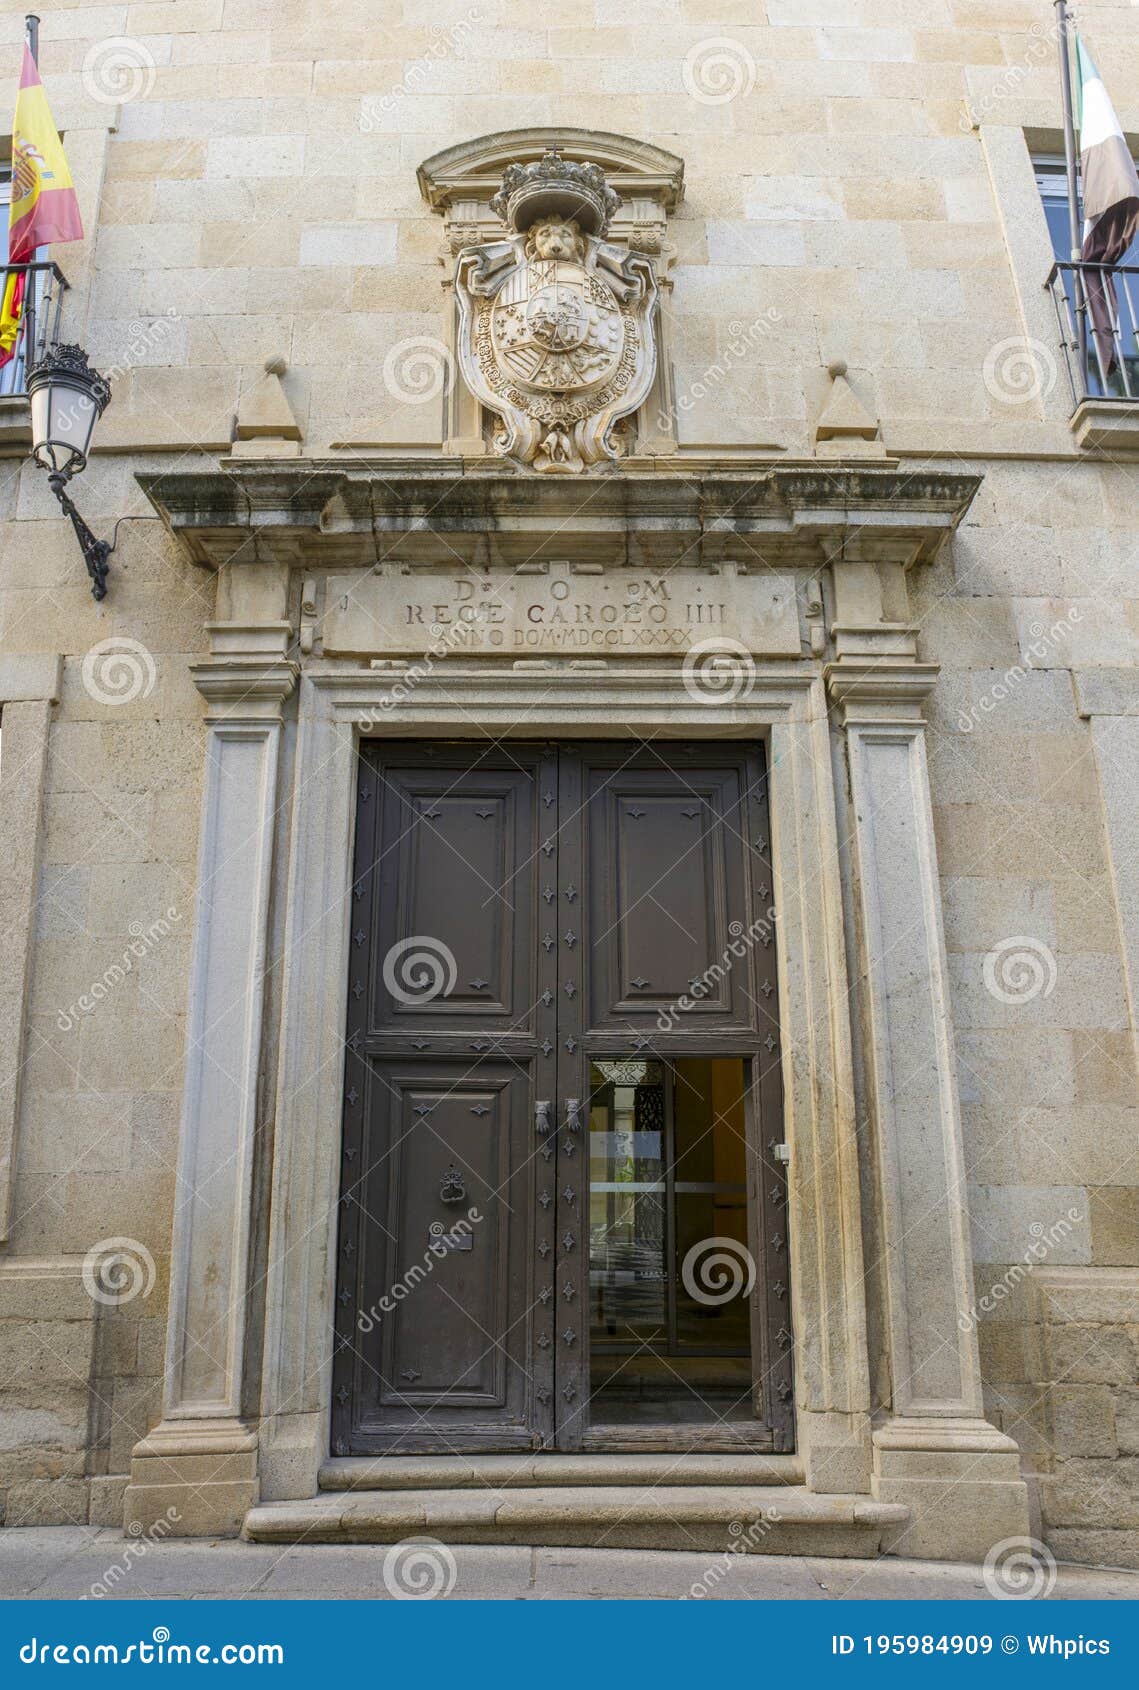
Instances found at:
x=838 y=200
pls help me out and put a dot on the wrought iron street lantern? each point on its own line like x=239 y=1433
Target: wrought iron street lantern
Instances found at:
x=67 y=398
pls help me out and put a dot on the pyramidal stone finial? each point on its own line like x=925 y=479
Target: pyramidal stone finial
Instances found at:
x=266 y=425
x=845 y=428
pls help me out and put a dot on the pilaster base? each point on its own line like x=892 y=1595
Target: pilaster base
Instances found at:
x=197 y=1478
x=961 y=1481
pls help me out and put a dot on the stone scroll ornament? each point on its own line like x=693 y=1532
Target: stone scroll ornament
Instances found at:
x=557 y=325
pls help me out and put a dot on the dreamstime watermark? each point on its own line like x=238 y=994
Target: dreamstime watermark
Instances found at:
x=718 y=1270
x=717 y=70
x=133 y=1552
x=419 y=1569
x=742 y=939
x=1018 y=370
x=718 y=671
x=1041 y=48
x=155 y=1650
x=117 y=1270
x=464 y=632
x=418 y=369
x=143 y=941
x=419 y=969
x=143 y=337
x=1020 y=1568
x=118 y=670
x=1045 y=1240
x=117 y=70
x=744 y=1539
x=1044 y=640
x=444 y=1240
x=448 y=39
x=1019 y=969
x=744 y=338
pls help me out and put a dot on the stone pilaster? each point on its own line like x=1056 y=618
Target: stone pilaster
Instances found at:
x=29 y=689
x=1108 y=699
x=202 y=1458
x=934 y=1451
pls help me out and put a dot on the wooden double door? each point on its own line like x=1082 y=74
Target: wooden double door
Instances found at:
x=532 y=926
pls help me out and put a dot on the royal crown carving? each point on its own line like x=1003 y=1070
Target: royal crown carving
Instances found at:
x=555 y=186
x=557 y=326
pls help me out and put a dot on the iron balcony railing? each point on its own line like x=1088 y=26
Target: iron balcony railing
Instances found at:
x=1104 y=365
x=39 y=324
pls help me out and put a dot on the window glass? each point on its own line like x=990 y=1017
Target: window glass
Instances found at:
x=1052 y=180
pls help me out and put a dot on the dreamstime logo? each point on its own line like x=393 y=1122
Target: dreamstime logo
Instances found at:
x=1019 y=969
x=1044 y=1241
x=740 y=941
x=745 y=337
x=718 y=1269
x=420 y=968
x=743 y=1539
x=118 y=670
x=143 y=941
x=419 y=1569
x=132 y=1552
x=117 y=1270
x=1021 y=1568
x=444 y=1239
x=443 y=642
x=718 y=671
x=1017 y=370
x=117 y=70
x=1042 y=642
x=1042 y=44
x=416 y=78
x=718 y=70
x=418 y=369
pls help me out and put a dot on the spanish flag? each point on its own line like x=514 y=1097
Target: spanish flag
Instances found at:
x=43 y=208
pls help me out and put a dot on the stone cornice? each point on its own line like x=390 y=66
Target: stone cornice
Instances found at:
x=435 y=512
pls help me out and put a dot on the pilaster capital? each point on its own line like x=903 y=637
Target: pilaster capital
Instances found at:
x=244 y=687
x=880 y=693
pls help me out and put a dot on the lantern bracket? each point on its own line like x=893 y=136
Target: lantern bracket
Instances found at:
x=95 y=552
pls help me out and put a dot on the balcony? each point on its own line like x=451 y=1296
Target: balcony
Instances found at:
x=1105 y=388
x=39 y=327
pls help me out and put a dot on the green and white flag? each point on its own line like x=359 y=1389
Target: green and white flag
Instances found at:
x=1111 y=195
x=1106 y=165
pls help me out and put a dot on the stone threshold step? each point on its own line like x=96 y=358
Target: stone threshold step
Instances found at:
x=726 y=1519
x=445 y=1472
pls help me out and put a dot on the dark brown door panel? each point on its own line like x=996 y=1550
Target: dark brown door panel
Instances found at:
x=668 y=893
x=453 y=945
x=437 y=1238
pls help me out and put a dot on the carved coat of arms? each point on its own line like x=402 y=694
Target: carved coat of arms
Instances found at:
x=556 y=324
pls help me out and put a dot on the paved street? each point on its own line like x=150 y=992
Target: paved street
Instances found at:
x=81 y=1561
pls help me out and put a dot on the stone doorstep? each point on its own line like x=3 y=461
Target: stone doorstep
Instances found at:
x=441 y=1472
x=755 y=1519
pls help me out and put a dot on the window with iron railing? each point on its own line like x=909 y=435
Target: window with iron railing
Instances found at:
x=1099 y=366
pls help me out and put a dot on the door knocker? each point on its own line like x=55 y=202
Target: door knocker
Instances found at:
x=451 y=1187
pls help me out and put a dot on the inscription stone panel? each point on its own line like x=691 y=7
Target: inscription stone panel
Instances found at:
x=618 y=613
